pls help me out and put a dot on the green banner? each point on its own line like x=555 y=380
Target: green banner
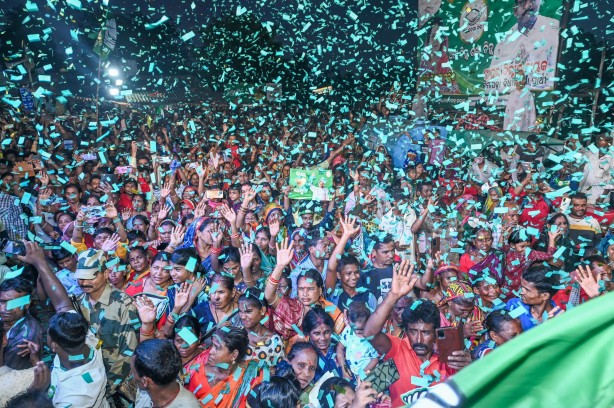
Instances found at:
x=311 y=184
x=487 y=47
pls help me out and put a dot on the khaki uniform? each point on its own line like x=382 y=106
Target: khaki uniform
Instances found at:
x=115 y=321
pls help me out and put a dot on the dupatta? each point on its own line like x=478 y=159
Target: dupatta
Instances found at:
x=230 y=393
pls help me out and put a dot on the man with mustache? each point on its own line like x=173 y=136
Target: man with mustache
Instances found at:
x=420 y=320
x=111 y=315
x=532 y=42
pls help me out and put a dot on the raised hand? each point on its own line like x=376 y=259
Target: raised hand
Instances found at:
x=197 y=286
x=349 y=227
x=247 y=255
x=111 y=210
x=228 y=213
x=165 y=191
x=216 y=235
x=403 y=279
x=434 y=262
x=274 y=227
x=106 y=188
x=164 y=211
x=588 y=281
x=182 y=295
x=284 y=253
x=110 y=244
x=126 y=214
x=81 y=215
x=200 y=209
x=250 y=194
x=44 y=195
x=177 y=235
x=146 y=309
x=34 y=254
x=44 y=178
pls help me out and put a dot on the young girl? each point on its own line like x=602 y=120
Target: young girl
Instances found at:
x=353 y=347
x=264 y=345
x=519 y=256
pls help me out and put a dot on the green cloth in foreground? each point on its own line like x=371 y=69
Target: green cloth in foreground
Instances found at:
x=565 y=362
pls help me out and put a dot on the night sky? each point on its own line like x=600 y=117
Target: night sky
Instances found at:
x=363 y=47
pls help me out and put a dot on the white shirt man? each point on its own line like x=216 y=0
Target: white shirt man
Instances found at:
x=520 y=111
x=82 y=386
x=535 y=48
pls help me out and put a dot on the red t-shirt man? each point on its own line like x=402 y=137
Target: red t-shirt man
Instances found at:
x=408 y=364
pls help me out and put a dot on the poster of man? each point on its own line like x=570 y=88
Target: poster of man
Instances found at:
x=531 y=45
x=426 y=10
x=311 y=184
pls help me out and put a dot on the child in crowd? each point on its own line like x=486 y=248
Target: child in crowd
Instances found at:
x=353 y=348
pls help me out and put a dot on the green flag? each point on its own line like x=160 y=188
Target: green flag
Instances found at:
x=106 y=39
x=565 y=362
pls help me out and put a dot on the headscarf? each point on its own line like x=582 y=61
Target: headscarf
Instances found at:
x=297 y=257
x=489 y=206
x=444 y=268
x=268 y=210
x=65 y=236
x=190 y=238
x=455 y=290
x=188 y=203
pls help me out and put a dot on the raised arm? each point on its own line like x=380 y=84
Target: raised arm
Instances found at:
x=403 y=281
x=46 y=278
x=249 y=196
x=117 y=221
x=349 y=230
x=284 y=257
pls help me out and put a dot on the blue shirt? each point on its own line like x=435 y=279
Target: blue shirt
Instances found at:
x=523 y=315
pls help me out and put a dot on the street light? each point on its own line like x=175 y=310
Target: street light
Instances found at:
x=114 y=91
x=113 y=72
x=119 y=82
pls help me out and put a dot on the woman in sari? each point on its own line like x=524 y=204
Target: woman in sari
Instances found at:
x=301 y=366
x=263 y=240
x=251 y=268
x=458 y=308
x=154 y=286
x=444 y=275
x=220 y=307
x=318 y=327
x=298 y=238
x=481 y=258
x=495 y=194
x=288 y=312
x=273 y=213
x=220 y=376
x=200 y=236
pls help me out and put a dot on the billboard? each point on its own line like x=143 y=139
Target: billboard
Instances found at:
x=487 y=47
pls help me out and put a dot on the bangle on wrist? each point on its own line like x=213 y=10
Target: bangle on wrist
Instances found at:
x=273 y=281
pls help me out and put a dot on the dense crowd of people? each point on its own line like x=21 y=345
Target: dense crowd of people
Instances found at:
x=158 y=259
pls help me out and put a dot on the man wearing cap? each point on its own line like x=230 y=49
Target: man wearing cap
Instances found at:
x=111 y=315
x=306 y=216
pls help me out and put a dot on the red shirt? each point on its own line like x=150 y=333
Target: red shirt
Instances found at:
x=125 y=201
x=408 y=364
x=535 y=214
x=562 y=297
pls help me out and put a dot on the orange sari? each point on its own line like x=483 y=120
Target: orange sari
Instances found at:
x=230 y=393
